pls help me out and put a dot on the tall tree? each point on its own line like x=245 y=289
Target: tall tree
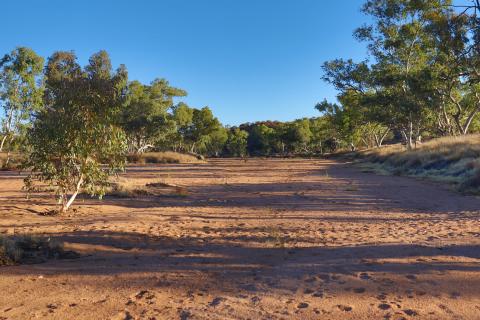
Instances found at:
x=21 y=89
x=237 y=142
x=76 y=143
x=183 y=117
x=201 y=130
x=145 y=118
x=402 y=48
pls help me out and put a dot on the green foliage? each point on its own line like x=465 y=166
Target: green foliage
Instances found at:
x=75 y=141
x=145 y=117
x=260 y=140
x=237 y=142
x=422 y=78
x=21 y=90
x=199 y=131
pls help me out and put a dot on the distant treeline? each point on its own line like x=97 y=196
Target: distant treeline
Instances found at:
x=148 y=115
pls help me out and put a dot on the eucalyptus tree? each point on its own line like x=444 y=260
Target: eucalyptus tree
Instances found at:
x=401 y=47
x=450 y=80
x=76 y=142
x=203 y=132
x=237 y=142
x=145 y=117
x=183 y=117
x=300 y=135
x=261 y=139
x=21 y=89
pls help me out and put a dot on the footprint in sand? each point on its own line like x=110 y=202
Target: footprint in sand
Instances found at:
x=384 y=306
x=359 y=290
x=302 y=305
x=445 y=308
x=364 y=276
x=184 y=315
x=410 y=312
x=124 y=315
x=344 y=308
x=382 y=296
x=216 y=301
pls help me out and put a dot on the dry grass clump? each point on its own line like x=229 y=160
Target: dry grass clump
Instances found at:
x=30 y=249
x=129 y=188
x=451 y=159
x=162 y=157
x=126 y=188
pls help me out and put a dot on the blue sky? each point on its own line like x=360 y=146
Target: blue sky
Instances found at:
x=248 y=60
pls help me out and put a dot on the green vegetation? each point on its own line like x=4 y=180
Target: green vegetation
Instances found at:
x=455 y=160
x=422 y=79
x=21 y=91
x=74 y=126
x=74 y=141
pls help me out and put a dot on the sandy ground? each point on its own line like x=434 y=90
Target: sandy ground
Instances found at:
x=263 y=239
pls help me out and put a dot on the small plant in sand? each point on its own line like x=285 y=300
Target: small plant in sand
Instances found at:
x=75 y=144
x=275 y=237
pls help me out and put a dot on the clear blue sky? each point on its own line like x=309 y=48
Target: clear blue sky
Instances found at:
x=248 y=60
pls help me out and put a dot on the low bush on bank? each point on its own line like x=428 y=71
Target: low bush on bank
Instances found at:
x=30 y=249
x=455 y=160
x=162 y=157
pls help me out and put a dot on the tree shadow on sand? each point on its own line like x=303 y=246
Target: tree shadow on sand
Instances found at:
x=262 y=268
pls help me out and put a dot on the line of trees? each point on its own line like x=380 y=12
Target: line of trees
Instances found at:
x=75 y=124
x=75 y=99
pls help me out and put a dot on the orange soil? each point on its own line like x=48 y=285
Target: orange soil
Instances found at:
x=262 y=239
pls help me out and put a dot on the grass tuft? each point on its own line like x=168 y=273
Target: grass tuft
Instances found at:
x=30 y=249
x=162 y=157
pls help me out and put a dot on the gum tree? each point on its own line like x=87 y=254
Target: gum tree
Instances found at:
x=237 y=142
x=20 y=91
x=145 y=118
x=75 y=141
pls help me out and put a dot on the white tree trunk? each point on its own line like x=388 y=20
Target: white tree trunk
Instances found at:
x=67 y=205
x=3 y=142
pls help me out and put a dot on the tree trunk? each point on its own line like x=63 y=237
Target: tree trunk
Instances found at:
x=410 y=135
x=385 y=134
x=66 y=206
x=471 y=116
x=3 y=142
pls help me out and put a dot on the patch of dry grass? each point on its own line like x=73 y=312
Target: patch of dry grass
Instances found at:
x=162 y=157
x=131 y=188
x=30 y=249
x=13 y=164
x=454 y=160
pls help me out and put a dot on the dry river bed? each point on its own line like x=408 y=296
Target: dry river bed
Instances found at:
x=261 y=239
